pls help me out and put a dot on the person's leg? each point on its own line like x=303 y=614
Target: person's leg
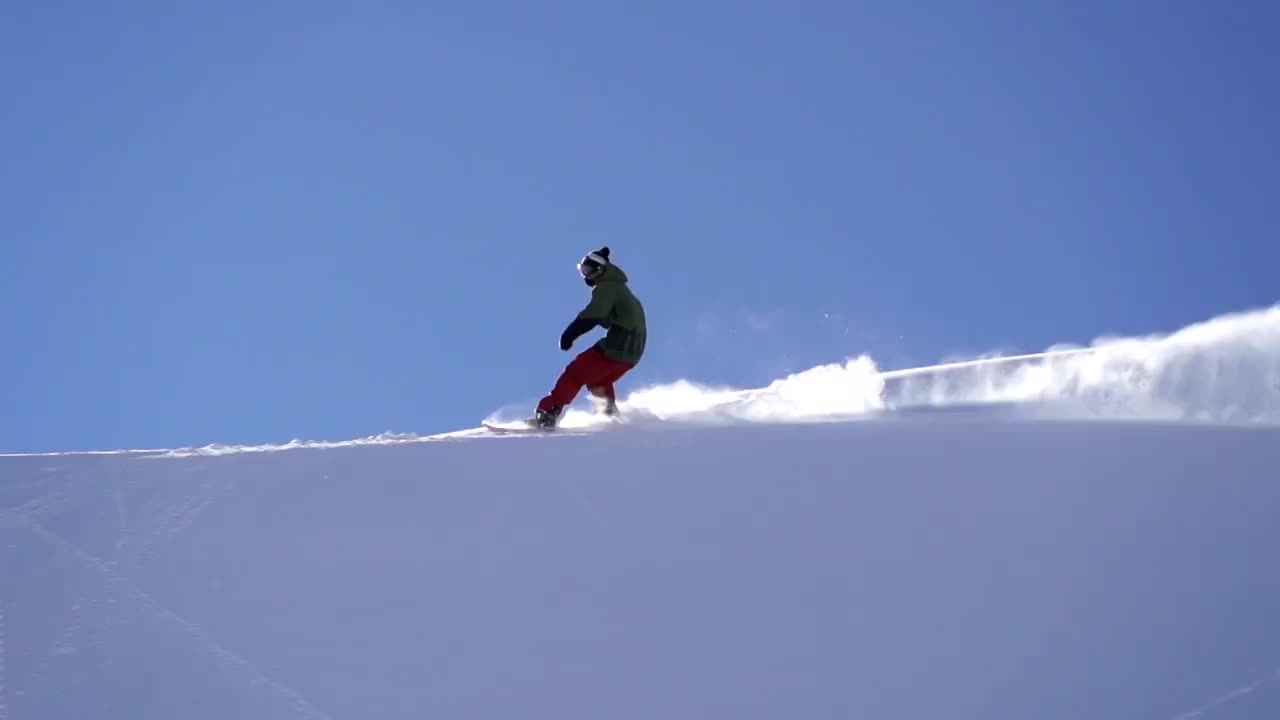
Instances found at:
x=575 y=375
x=591 y=368
x=602 y=399
x=602 y=386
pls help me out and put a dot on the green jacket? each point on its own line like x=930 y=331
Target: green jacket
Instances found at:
x=614 y=307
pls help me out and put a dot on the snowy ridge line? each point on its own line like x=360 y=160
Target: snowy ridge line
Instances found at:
x=218 y=449
x=931 y=369
x=981 y=362
x=1228 y=698
x=572 y=419
x=68 y=453
x=575 y=420
x=1225 y=371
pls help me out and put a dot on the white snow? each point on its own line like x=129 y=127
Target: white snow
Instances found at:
x=965 y=541
x=1226 y=370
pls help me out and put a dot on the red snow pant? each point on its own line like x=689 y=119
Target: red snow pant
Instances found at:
x=592 y=368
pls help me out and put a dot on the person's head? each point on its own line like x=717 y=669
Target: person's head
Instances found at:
x=593 y=265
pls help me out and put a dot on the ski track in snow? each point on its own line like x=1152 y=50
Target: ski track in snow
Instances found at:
x=178 y=517
x=54 y=494
x=1230 y=697
x=61 y=494
x=4 y=692
x=174 y=517
x=122 y=523
x=62 y=645
x=225 y=657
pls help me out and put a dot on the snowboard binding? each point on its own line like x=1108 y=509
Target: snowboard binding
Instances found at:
x=547 y=419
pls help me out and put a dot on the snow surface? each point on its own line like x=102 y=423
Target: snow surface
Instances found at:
x=1082 y=533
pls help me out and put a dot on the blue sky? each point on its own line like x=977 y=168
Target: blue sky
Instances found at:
x=248 y=222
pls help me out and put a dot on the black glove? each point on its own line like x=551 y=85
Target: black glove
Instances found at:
x=574 y=331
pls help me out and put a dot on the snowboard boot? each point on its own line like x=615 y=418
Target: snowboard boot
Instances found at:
x=547 y=419
x=606 y=406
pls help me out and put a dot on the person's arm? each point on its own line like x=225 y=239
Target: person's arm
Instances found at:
x=602 y=299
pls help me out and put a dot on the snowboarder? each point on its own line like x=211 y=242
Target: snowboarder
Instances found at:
x=614 y=307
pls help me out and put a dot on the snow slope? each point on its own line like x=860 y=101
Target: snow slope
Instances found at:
x=962 y=542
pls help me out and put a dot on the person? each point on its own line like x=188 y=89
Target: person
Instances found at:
x=614 y=307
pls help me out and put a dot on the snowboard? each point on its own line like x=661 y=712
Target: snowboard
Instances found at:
x=516 y=428
x=520 y=427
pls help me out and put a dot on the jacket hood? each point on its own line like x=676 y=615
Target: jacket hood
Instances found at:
x=612 y=273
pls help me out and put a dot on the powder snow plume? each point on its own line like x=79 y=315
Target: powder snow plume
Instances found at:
x=1225 y=370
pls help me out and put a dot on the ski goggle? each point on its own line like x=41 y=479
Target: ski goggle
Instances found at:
x=588 y=270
